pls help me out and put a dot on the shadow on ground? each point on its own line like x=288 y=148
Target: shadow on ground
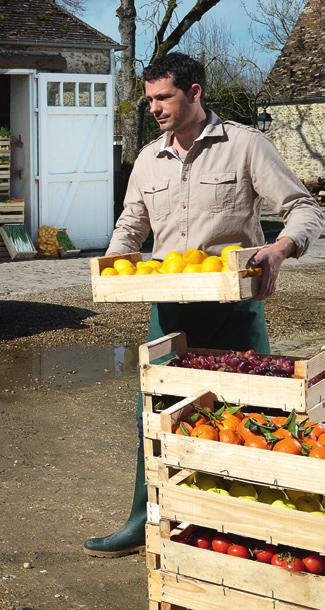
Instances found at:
x=26 y=318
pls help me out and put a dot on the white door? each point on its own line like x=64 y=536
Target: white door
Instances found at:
x=76 y=156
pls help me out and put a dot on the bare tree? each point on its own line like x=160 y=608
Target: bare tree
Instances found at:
x=272 y=21
x=74 y=6
x=161 y=16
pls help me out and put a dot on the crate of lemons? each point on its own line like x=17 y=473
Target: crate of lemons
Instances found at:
x=190 y=261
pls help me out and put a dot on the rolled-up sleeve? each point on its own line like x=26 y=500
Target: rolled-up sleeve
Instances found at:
x=285 y=194
x=133 y=226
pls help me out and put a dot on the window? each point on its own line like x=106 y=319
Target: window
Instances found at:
x=69 y=94
x=100 y=94
x=84 y=94
x=53 y=94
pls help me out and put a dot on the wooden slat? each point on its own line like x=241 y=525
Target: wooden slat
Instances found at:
x=239 y=462
x=12 y=207
x=151 y=463
x=153 y=538
x=151 y=425
x=153 y=513
x=250 y=576
x=276 y=392
x=174 y=342
x=315 y=395
x=11 y=218
x=154 y=584
x=251 y=519
x=308 y=369
x=196 y=595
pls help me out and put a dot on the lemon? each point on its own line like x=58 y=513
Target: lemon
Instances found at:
x=127 y=271
x=191 y=255
x=140 y=264
x=153 y=264
x=143 y=271
x=122 y=264
x=192 y=268
x=174 y=265
x=226 y=249
x=212 y=263
x=109 y=271
x=173 y=256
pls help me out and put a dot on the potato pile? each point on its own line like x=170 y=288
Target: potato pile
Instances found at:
x=47 y=242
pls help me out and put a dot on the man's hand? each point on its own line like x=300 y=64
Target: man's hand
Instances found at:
x=270 y=259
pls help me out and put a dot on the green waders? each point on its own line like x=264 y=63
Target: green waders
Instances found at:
x=237 y=326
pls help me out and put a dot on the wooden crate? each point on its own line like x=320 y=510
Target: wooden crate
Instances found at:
x=268 y=392
x=178 y=287
x=12 y=212
x=267 y=581
x=12 y=250
x=196 y=594
x=269 y=523
x=235 y=461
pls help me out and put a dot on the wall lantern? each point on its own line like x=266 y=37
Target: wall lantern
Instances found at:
x=263 y=120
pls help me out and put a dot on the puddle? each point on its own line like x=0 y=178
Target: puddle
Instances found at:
x=66 y=367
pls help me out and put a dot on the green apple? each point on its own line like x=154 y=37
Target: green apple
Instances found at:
x=269 y=495
x=205 y=483
x=245 y=491
x=284 y=504
x=294 y=494
x=308 y=504
x=219 y=490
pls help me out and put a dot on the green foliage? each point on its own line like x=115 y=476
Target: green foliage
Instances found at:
x=126 y=106
x=4 y=132
x=232 y=102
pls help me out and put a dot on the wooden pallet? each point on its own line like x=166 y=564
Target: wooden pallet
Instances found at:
x=268 y=392
x=226 y=286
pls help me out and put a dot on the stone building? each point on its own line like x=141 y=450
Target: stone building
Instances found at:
x=296 y=86
x=57 y=99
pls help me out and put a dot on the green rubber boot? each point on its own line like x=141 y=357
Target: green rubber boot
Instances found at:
x=131 y=537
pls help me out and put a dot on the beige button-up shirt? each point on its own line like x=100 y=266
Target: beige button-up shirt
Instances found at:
x=212 y=198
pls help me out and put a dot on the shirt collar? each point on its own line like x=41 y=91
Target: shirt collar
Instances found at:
x=213 y=128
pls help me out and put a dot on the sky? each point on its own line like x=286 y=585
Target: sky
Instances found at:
x=101 y=15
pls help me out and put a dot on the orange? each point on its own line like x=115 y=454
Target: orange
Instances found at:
x=318 y=429
x=282 y=433
x=205 y=432
x=279 y=420
x=192 y=268
x=212 y=263
x=109 y=271
x=288 y=445
x=256 y=441
x=226 y=435
x=310 y=443
x=245 y=432
x=191 y=255
x=321 y=439
x=226 y=249
x=318 y=452
x=186 y=425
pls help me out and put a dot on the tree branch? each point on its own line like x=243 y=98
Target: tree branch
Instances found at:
x=171 y=6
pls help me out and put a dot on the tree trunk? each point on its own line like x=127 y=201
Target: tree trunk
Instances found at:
x=126 y=14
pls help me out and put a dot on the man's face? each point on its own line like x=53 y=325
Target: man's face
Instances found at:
x=173 y=109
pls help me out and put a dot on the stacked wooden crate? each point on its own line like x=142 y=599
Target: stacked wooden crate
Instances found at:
x=197 y=579
x=12 y=211
x=4 y=167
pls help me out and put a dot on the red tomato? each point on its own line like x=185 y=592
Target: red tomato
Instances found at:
x=288 y=561
x=264 y=555
x=314 y=563
x=202 y=541
x=238 y=550
x=220 y=543
x=277 y=560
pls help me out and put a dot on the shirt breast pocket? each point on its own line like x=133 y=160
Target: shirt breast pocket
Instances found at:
x=156 y=198
x=218 y=191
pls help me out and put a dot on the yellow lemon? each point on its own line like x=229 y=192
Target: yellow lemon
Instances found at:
x=194 y=256
x=173 y=256
x=109 y=271
x=122 y=263
x=226 y=249
x=153 y=264
x=127 y=271
x=140 y=264
x=175 y=265
x=192 y=268
x=143 y=271
x=212 y=263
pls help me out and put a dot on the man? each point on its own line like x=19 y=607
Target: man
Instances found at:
x=197 y=186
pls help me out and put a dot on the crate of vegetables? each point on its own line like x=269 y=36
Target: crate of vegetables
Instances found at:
x=279 y=382
x=225 y=278
x=204 y=568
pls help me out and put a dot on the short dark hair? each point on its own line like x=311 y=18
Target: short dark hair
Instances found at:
x=184 y=69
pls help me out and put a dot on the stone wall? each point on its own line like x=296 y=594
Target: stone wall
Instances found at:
x=297 y=131
x=78 y=60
